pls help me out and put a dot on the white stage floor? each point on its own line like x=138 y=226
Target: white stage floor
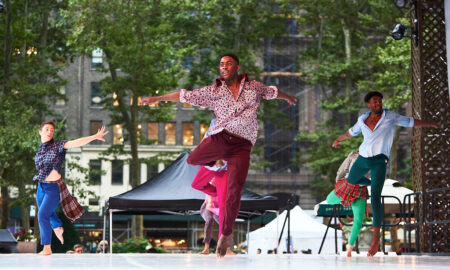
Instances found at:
x=241 y=262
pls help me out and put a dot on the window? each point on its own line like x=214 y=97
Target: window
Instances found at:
x=61 y=101
x=117 y=134
x=170 y=129
x=97 y=58
x=152 y=170
x=96 y=99
x=138 y=100
x=95 y=170
x=116 y=102
x=188 y=134
x=93 y=202
x=203 y=129
x=117 y=172
x=153 y=132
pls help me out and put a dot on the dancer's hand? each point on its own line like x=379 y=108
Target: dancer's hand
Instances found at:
x=100 y=134
x=336 y=144
x=434 y=125
x=291 y=100
x=149 y=100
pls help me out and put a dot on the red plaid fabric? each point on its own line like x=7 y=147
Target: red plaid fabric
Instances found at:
x=69 y=204
x=349 y=193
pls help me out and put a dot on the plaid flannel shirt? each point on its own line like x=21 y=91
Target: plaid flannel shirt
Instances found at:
x=349 y=193
x=69 y=204
x=50 y=156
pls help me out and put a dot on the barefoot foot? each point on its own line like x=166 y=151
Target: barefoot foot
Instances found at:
x=46 y=251
x=42 y=253
x=222 y=246
x=204 y=252
x=59 y=234
x=375 y=242
x=349 y=250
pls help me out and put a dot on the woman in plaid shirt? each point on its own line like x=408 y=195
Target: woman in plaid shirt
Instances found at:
x=51 y=188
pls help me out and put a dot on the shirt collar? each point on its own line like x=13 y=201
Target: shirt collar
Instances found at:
x=220 y=81
x=366 y=114
x=47 y=143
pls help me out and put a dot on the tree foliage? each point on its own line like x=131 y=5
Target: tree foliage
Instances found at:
x=350 y=54
x=33 y=43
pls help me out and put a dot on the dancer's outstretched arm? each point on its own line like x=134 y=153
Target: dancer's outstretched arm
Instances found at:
x=288 y=98
x=174 y=96
x=85 y=140
x=337 y=142
x=420 y=123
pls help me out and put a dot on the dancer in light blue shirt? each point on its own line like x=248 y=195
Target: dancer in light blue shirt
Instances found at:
x=377 y=127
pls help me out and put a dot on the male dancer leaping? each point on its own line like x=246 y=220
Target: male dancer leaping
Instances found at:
x=377 y=127
x=235 y=101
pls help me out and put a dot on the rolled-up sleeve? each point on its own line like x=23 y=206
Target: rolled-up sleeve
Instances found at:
x=266 y=92
x=404 y=121
x=201 y=97
x=355 y=130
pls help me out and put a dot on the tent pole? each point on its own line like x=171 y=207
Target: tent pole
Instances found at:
x=110 y=231
x=104 y=229
x=289 y=231
x=276 y=238
x=248 y=234
x=282 y=230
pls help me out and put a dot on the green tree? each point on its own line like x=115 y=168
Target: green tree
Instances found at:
x=33 y=43
x=347 y=38
x=144 y=43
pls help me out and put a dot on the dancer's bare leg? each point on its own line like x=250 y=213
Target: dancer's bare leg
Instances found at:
x=47 y=250
x=222 y=246
x=59 y=234
x=205 y=251
x=349 y=250
x=375 y=242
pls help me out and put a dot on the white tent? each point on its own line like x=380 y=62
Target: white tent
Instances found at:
x=306 y=233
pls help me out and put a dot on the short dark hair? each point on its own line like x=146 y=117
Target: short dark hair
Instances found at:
x=47 y=123
x=232 y=56
x=372 y=94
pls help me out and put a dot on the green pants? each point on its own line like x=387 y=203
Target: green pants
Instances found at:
x=377 y=167
x=359 y=211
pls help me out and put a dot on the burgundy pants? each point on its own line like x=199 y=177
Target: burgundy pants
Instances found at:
x=236 y=151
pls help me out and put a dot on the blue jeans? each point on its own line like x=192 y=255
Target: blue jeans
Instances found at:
x=47 y=199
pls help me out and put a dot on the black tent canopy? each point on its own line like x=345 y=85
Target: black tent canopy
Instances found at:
x=171 y=191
